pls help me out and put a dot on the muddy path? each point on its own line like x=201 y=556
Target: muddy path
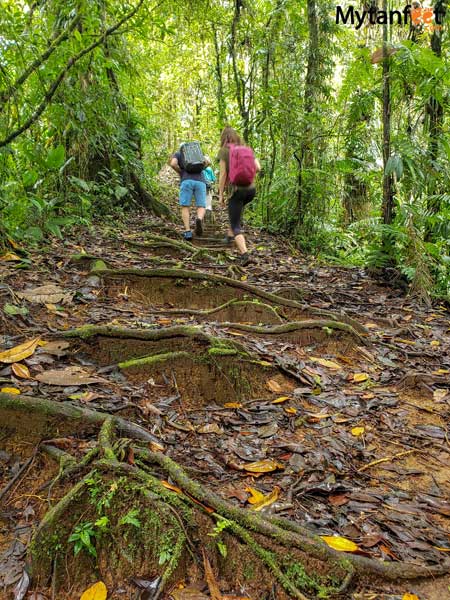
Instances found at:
x=317 y=387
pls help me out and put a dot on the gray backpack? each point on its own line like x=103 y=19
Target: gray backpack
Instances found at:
x=192 y=157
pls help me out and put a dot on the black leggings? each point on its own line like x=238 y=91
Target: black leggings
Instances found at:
x=236 y=203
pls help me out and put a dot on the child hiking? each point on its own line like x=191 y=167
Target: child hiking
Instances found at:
x=189 y=163
x=210 y=179
x=238 y=168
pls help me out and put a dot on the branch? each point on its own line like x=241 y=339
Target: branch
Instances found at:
x=55 y=85
x=6 y=95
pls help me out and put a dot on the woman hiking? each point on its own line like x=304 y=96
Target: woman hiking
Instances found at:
x=238 y=168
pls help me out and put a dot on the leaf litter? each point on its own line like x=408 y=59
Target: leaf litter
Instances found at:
x=384 y=490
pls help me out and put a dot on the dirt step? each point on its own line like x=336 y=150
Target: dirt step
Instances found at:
x=202 y=368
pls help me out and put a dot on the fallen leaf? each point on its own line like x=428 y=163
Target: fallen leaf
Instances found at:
x=46 y=294
x=57 y=348
x=326 y=363
x=410 y=597
x=266 y=500
x=385 y=550
x=68 y=376
x=280 y=399
x=210 y=428
x=435 y=343
x=85 y=396
x=190 y=593
x=211 y=580
x=10 y=390
x=255 y=495
x=263 y=466
x=232 y=405
x=291 y=410
x=338 y=499
x=21 y=371
x=22 y=586
x=358 y=377
x=20 y=352
x=97 y=591
x=172 y=487
x=340 y=544
x=439 y=394
x=10 y=257
x=357 y=431
x=12 y=310
x=274 y=386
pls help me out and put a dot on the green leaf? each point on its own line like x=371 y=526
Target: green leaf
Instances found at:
x=81 y=183
x=11 y=309
x=56 y=157
x=29 y=178
x=120 y=192
x=35 y=233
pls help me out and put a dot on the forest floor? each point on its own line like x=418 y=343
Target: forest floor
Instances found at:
x=343 y=430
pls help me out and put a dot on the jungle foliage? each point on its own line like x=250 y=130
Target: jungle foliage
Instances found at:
x=94 y=96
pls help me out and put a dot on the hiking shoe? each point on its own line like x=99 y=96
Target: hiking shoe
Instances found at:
x=198 y=227
x=244 y=259
x=228 y=239
x=187 y=235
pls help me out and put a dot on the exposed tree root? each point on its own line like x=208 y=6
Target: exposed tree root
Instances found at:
x=223 y=366
x=63 y=416
x=211 y=311
x=264 y=536
x=296 y=326
x=228 y=281
x=288 y=533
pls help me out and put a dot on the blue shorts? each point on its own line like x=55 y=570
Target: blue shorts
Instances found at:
x=191 y=187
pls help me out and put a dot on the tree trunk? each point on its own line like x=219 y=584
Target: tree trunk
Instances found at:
x=306 y=159
x=388 y=190
x=435 y=111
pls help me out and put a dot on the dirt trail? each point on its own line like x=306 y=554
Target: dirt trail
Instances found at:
x=335 y=384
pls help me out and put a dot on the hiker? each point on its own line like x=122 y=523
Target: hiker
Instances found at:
x=189 y=163
x=210 y=179
x=238 y=168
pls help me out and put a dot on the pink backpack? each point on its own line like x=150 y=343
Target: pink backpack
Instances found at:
x=242 y=168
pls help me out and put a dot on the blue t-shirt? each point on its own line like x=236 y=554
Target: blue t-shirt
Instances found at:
x=185 y=174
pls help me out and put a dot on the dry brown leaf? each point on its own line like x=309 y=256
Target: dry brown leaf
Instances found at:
x=211 y=580
x=57 y=348
x=68 y=376
x=46 y=294
x=210 y=428
x=274 y=386
x=439 y=394
x=20 y=352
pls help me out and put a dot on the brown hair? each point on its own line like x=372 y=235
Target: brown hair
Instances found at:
x=230 y=136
